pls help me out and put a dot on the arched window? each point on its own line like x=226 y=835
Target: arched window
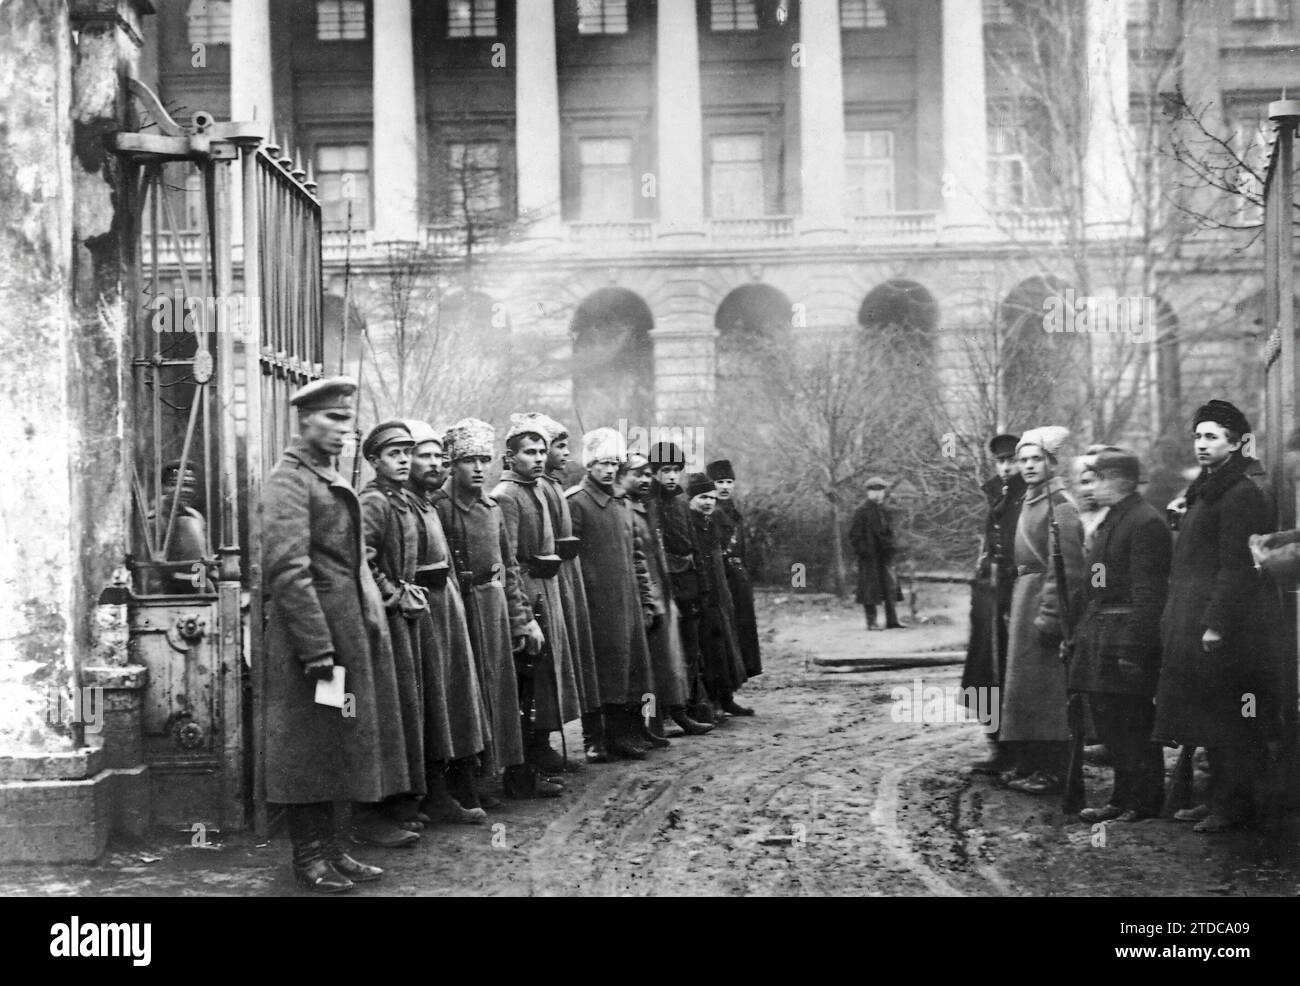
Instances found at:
x=613 y=359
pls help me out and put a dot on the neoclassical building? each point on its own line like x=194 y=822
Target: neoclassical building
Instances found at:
x=685 y=173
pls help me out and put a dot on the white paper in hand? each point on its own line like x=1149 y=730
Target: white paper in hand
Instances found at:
x=330 y=691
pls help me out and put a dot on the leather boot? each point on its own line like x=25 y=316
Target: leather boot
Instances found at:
x=344 y=864
x=543 y=756
x=440 y=806
x=593 y=738
x=701 y=712
x=371 y=828
x=617 y=739
x=461 y=783
x=643 y=732
x=521 y=781
x=729 y=706
x=689 y=726
x=314 y=871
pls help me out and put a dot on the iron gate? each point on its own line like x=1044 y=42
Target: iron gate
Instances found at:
x=215 y=352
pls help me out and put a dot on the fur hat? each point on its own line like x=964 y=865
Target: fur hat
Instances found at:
x=666 y=454
x=1049 y=438
x=720 y=469
x=603 y=443
x=468 y=437
x=533 y=423
x=697 y=483
x=1223 y=414
x=422 y=431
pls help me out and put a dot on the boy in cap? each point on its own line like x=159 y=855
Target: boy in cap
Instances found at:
x=506 y=637
x=618 y=591
x=735 y=552
x=324 y=617
x=872 y=536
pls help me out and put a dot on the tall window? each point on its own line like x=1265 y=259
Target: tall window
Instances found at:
x=472 y=19
x=858 y=14
x=1139 y=12
x=998 y=12
x=1257 y=10
x=208 y=22
x=343 y=177
x=870 y=172
x=193 y=218
x=474 y=177
x=340 y=20
x=605 y=166
x=1008 y=165
x=736 y=176
x=602 y=16
x=733 y=15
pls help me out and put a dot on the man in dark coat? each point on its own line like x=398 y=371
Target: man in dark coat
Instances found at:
x=504 y=634
x=735 y=552
x=724 y=670
x=1116 y=659
x=1219 y=678
x=324 y=618
x=995 y=574
x=872 y=537
x=531 y=534
x=674 y=516
x=618 y=591
x=389 y=528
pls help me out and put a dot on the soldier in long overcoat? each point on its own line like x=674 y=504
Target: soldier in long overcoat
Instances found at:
x=457 y=729
x=1035 y=703
x=501 y=624
x=618 y=590
x=724 y=669
x=323 y=613
x=990 y=609
x=667 y=659
x=735 y=552
x=1219 y=677
x=1116 y=659
x=389 y=528
x=531 y=535
x=871 y=534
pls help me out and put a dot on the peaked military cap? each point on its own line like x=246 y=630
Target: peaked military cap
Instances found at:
x=325 y=393
x=384 y=434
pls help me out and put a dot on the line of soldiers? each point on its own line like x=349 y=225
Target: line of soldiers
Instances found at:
x=1168 y=624
x=426 y=638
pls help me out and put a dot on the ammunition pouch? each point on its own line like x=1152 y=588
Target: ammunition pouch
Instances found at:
x=433 y=577
x=544 y=566
x=567 y=548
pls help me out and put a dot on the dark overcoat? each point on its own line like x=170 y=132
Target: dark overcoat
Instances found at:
x=724 y=669
x=1213 y=584
x=323 y=600
x=495 y=610
x=573 y=597
x=735 y=552
x=986 y=668
x=617 y=591
x=392 y=543
x=530 y=533
x=456 y=723
x=1117 y=641
x=872 y=535
x=667 y=656
x=1034 y=702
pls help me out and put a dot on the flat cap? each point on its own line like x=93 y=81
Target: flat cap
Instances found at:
x=325 y=393
x=877 y=483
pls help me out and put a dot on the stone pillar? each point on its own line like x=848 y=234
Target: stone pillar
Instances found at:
x=393 y=154
x=680 y=181
x=1107 y=193
x=685 y=356
x=821 y=117
x=250 y=61
x=965 y=120
x=537 y=117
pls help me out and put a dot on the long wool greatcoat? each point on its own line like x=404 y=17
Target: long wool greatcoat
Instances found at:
x=456 y=723
x=495 y=611
x=530 y=533
x=392 y=542
x=724 y=669
x=323 y=600
x=872 y=537
x=1213 y=585
x=617 y=590
x=667 y=656
x=984 y=668
x=573 y=597
x=1034 y=702
x=1117 y=642
x=735 y=552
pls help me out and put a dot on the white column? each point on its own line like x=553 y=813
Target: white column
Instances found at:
x=537 y=115
x=679 y=184
x=393 y=159
x=965 y=119
x=1107 y=185
x=250 y=61
x=821 y=116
